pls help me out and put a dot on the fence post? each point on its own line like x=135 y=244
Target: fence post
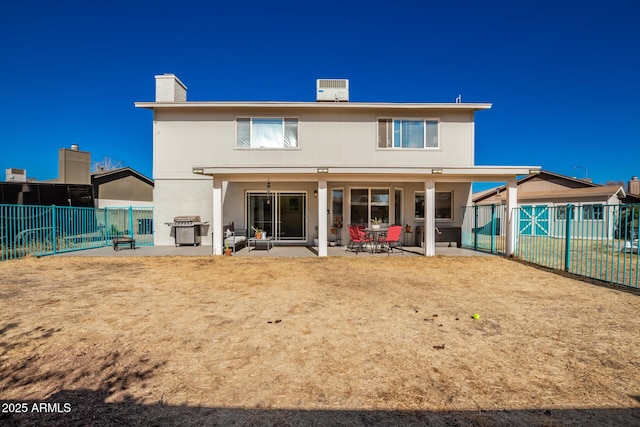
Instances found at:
x=567 y=237
x=131 y=221
x=55 y=237
x=475 y=227
x=493 y=228
x=107 y=232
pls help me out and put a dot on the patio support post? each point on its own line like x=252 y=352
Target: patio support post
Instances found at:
x=322 y=218
x=430 y=218
x=512 y=204
x=217 y=217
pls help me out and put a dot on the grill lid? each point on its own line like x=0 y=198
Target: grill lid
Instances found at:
x=186 y=219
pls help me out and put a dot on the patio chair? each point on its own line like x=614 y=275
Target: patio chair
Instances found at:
x=358 y=239
x=392 y=239
x=358 y=226
x=234 y=238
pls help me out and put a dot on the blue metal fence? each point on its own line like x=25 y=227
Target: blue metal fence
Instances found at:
x=484 y=228
x=592 y=240
x=46 y=230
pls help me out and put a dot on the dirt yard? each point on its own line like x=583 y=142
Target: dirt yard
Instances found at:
x=308 y=341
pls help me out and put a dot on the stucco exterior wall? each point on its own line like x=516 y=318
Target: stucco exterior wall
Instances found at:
x=173 y=198
x=184 y=139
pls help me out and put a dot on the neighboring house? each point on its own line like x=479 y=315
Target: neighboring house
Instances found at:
x=77 y=186
x=121 y=187
x=297 y=169
x=545 y=198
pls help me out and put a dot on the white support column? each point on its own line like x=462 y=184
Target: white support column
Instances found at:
x=322 y=218
x=512 y=204
x=430 y=218
x=217 y=217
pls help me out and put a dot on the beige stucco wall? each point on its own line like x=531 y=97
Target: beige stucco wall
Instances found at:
x=173 y=198
x=188 y=138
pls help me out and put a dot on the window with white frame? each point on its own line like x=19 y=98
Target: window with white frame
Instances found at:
x=444 y=205
x=267 y=133
x=408 y=133
x=563 y=211
x=368 y=204
x=592 y=212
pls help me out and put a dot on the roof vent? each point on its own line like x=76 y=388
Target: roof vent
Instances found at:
x=16 y=175
x=332 y=90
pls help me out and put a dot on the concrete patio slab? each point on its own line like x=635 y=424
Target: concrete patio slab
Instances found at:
x=277 y=251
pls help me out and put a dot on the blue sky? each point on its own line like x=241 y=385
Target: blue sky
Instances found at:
x=563 y=76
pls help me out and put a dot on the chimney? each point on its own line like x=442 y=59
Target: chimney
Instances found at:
x=634 y=186
x=169 y=88
x=74 y=166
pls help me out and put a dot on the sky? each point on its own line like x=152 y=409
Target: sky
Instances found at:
x=563 y=76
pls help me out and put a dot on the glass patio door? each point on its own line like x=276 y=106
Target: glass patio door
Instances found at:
x=282 y=215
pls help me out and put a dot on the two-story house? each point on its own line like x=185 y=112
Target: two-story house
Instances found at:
x=298 y=169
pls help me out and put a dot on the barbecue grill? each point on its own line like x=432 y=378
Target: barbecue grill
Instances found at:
x=187 y=230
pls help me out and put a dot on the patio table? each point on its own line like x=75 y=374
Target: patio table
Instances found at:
x=376 y=233
x=268 y=242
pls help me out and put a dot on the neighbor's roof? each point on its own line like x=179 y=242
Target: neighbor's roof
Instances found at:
x=485 y=194
x=571 y=193
x=113 y=174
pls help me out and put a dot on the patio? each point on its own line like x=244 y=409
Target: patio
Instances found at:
x=277 y=251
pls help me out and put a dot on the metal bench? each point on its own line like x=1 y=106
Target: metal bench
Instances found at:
x=123 y=240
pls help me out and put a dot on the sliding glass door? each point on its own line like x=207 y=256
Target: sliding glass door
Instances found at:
x=281 y=214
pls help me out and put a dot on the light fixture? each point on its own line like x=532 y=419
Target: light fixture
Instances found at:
x=199 y=171
x=315 y=193
x=323 y=170
x=268 y=192
x=438 y=171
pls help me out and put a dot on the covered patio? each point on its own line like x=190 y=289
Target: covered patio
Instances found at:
x=231 y=188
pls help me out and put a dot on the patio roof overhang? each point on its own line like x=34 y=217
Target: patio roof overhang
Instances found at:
x=372 y=174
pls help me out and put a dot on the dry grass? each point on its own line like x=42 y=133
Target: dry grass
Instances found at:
x=282 y=341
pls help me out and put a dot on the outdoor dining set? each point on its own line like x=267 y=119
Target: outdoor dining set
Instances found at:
x=375 y=239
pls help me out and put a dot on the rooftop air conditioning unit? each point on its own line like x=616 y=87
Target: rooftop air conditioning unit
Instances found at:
x=16 y=175
x=332 y=90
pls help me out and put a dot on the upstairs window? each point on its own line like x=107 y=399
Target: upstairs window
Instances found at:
x=267 y=133
x=401 y=133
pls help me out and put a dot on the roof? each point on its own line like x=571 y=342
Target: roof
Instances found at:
x=598 y=191
x=572 y=193
x=485 y=194
x=119 y=173
x=317 y=105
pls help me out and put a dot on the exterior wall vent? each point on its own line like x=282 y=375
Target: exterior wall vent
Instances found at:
x=332 y=90
x=16 y=175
